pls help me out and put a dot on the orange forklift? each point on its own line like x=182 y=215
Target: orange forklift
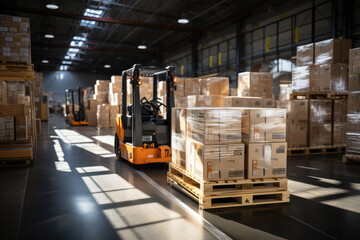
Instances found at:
x=75 y=118
x=142 y=134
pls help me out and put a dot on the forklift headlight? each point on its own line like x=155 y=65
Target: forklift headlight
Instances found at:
x=175 y=79
x=139 y=82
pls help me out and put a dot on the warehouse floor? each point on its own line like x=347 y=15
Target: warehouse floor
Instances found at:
x=78 y=190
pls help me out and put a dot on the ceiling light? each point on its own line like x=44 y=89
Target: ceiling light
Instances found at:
x=66 y=62
x=183 y=20
x=142 y=47
x=52 y=6
x=107 y=66
x=67 y=57
x=45 y=61
x=49 y=35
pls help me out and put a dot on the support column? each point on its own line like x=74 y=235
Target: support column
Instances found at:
x=194 y=58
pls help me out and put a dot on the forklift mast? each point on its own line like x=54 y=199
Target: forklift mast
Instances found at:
x=134 y=74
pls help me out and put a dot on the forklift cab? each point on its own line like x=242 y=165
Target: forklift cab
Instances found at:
x=75 y=111
x=142 y=134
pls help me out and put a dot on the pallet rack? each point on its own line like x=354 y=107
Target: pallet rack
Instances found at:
x=19 y=153
x=231 y=193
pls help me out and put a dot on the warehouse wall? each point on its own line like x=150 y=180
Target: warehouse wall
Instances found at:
x=57 y=82
x=265 y=37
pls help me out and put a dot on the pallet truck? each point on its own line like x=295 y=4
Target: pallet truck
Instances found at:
x=142 y=135
x=75 y=118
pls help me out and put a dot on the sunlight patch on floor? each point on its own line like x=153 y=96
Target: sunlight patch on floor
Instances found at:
x=71 y=136
x=107 y=139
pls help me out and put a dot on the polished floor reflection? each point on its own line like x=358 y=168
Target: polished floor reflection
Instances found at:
x=78 y=190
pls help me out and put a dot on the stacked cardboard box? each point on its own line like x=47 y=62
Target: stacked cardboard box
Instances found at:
x=264 y=135
x=322 y=67
x=320 y=123
x=249 y=102
x=353 y=116
x=207 y=145
x=255 y=84
x=115 y=90
x=38 y=92
x=285 y=91
x=339 y=122
x=15 y=39
x=101 y=91
x=103 y=117
x=297 y=123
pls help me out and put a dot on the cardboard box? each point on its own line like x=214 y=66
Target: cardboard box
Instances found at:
x=354 y=61
x=305 y=55
x=192 y=86
x=214 y=86
x=103 y=117
x=333 y=77
x=3 y=91
x=305 y=78
x=354 y=82
x=255 y=84
x=353 y=123
x=7 y=129
x=21 y=129
x=116 y=79
x=332 y=51
x=243 y=102
x=285 y=91
x=353 y=102
x=215 y=162
x=320 y=123
x=266 y=160
x=91 y=117
x=353 y=144
x=180 y=88
x=263 y=125
x=178 y=150
x=181 y=102
x=178 y=126
x=205 y=101
x=9 y=109
x=297 y=136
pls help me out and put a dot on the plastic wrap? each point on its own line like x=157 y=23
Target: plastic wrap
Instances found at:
x=353 y=123
x=332 y=51
x=354 y=102
x=255 y=84
x=215 y=161
x=339 y=121
x=214 y=86
x=353 y=144
x=320 y=123
x=297 y=123
x=263 y=125
x=243 y=102
x=103 y=116
x=301 y=79
x=266 y=160
x=214 y=125
x=205 y=101
x=305 y=55
x=354 y=82
x=354 y=61
x=333 y=78
x=285 y=91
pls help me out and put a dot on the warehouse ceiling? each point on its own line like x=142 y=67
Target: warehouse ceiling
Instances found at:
x=89 y=35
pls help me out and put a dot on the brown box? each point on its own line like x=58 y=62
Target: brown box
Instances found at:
x=21 y=129
x=333 y=77
x=103 y=117
x=178 y=150
x=114 y=111
x=7 y=129
x=353 y=144
x=205 y=101
x=180 y=88
x=255 y=84
x=214 y=86
x=91 y=117
x=353 y=102
x=9 y=109
x=354 y=82
x=297 y=135
x=266 y=160
x=178 y=126
x=332 y=51
x=320 y=123
x=268 y=102
x=3 y=91
x=192 y=86
x=305 y=79
x=305 y=55
x=181 y=102
x=263 y=125
x=102 y=82
x=215 y=162
x=354 y=61
x=116 y=79
x=243 y=102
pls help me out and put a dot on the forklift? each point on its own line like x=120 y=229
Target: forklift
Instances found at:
x=142 y=134
x=75 y=118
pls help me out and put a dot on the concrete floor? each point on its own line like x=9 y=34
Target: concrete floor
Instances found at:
x=78 y=190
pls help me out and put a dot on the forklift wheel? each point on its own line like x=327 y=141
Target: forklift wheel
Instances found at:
x=117 y=147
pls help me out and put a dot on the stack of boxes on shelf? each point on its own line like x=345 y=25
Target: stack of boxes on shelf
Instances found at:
x=322 y=67
x=115 y=90
x=353 y=116
x=15 y=39
x=15 y=112
x=15 y=57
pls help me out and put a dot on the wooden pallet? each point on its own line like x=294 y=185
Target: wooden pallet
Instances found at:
x=17 y=67
x=314 y=150
x=231 y=193
x=319 y=95
x=16 y=154
x=349 y=158
x=17 y=75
